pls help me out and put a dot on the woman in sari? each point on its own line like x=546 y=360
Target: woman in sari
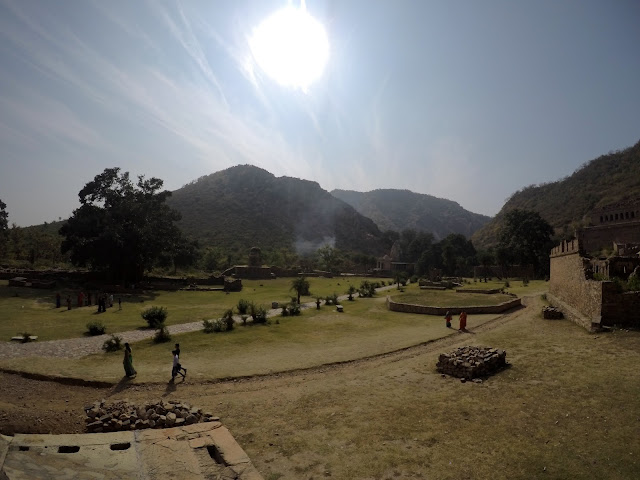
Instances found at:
x=129 y=371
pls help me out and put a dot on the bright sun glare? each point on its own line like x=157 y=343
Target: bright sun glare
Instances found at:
x=291 y=47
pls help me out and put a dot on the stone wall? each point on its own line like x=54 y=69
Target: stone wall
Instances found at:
x=428 y=310
x=589 y=303
x=594 y=239
x=569 y=286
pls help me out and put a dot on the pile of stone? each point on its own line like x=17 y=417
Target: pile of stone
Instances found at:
x=122 y=416
x=472 y=362
x=551 y=313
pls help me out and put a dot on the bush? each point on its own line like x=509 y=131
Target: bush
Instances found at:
x=525 y=282
x=332 y=299
x=507 y=284
x=112 y=344
x=351 y=291
x=96 y=328
x=26 y=337
x=414 y=278
x=208 y=326
x=367 y=289
x=294 y=309
x=243 y=306
x=383 y=283
x=258 y=313
x=228 y=321
x=162 y=335
x=285 y=311
x=155 y=316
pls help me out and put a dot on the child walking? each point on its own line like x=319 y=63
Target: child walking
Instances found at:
x=177 y=368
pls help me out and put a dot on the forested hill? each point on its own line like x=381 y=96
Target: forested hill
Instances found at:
x=566 y=204
x=402 y=209
x=246 y=206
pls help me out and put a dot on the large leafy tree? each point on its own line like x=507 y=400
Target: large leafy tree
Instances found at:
x=527 y=238
x=121 y=227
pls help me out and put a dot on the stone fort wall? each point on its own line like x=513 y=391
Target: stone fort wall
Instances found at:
x=589 y=303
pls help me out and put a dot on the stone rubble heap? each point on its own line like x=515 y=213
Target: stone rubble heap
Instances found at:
x=551 y=313
x=472 y=362
x=122 y=415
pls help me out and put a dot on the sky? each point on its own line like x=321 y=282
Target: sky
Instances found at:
x=463 y=100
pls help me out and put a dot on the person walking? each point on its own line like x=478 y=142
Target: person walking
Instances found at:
x=463 y=321
x=177 y=367
x=447 y=319
x=129 y=371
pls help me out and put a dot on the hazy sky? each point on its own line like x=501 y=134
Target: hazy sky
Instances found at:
x=466 y=100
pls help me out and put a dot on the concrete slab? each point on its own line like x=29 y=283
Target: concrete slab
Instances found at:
x=194 y=452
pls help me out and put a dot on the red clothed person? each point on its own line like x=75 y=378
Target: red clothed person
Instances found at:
x=463 y=321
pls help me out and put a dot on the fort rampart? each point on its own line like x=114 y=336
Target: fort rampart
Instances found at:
x=589 y=303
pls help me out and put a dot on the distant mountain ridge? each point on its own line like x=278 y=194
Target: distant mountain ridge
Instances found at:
x=245 y=206
x=567 y=203
x=398 y=210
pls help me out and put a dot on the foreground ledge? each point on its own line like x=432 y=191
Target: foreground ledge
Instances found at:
x=193 y=452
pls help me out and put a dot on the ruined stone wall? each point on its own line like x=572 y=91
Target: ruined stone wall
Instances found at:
x=569 y=285
x=593 y=239
x=621 y=309
x=428 y=310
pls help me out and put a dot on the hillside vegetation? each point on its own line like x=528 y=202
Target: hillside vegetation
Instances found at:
x=567 y=203
x=245 y=206
x=398 y=210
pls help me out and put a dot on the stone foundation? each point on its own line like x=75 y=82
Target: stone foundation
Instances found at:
x=472 y=362
x=123 y=416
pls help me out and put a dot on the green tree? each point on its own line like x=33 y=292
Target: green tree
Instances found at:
x=4 y=227
x=301 y=287
x=528 y=237
x=328 y=256
x=121 y=228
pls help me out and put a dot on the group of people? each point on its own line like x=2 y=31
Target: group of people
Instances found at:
x=462 y=319
x=103 y=300
x=177 y=368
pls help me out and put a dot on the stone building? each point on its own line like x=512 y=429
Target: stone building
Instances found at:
x=390 y=264
x=617 y=223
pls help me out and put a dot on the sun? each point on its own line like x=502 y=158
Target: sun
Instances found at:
x=291 y=47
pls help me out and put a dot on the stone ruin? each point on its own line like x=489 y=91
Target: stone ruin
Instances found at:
x=472 y=362
x=552 y=313
x=123 y=416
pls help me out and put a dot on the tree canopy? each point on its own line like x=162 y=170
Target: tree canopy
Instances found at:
x=121 y=227
x=526 y=236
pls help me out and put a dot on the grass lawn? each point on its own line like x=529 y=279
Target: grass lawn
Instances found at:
x=516 y=287
x=316 y=337
x=413 y=294
x=33 y=311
